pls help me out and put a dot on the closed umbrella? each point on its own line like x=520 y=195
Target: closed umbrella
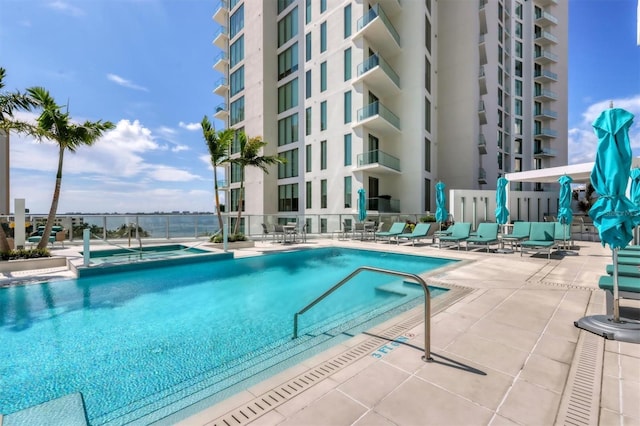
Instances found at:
x=362 y=205
x=441 y=210
x=502 y=212
x=635 y=194
x=613 y=214
x=565 y=215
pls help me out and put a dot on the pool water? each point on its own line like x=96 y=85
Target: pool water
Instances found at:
x=143 y=345
x=125 y=255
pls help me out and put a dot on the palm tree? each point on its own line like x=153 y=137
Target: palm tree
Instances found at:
x=10 y=102
x=58 y=127
x=218 y=143
x=250 y=157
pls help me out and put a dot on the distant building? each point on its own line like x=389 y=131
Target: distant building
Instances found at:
x=390 y=96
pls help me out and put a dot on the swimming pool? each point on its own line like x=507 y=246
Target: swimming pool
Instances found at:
x=145 y=345
x=125 y=255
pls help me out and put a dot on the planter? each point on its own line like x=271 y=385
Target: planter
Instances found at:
x=30 y=264
x=235 y=245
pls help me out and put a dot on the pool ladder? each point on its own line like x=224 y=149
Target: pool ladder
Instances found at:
x=427 y=303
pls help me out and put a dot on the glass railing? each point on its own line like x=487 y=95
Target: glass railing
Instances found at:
x=373 y=13
x=222 y=4
x=546 y=93
x=546 y=132
x=377 y=108
x=481 y=106
x=482 y=174
x=378 y=157
x=222 y=31
x=547 y=73
x=546 y=54
x=222 y=107
x=222 y=56
x=547 y=35
x=481 y=140
x=547 y=17
x=547 y=113
x=545 y=152
x=375 y=61
x=383 y=204
x=222 y=81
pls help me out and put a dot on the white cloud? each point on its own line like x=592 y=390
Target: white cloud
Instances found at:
x=179 y=148
x=190 y=126
x=583 y=142
x=125 y=83
x=66 y=8
x=171 y=174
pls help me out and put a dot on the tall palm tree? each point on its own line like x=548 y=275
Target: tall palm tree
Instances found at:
x=250 y=157
x=58 y=127
x=10 y=102
x=218 y=143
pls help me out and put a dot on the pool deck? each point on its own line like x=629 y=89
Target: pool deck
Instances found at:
x=505 y=353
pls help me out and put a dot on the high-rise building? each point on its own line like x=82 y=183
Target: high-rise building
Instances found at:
x=391 y=96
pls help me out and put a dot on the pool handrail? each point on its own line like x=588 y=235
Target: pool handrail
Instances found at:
x=427 y=303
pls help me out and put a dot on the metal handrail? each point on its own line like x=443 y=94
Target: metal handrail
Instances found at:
x=427 y=303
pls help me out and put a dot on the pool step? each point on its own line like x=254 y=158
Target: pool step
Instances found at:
x=67 y=410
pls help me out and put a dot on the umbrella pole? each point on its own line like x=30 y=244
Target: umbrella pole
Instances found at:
x=616 y=300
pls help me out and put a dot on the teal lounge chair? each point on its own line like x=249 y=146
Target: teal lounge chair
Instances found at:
x=629 y=253
x=519 y=233
x=459 y=232
x=486 y=234
x=625 y=270
x=628 y=288
x=562 y=235
x=420 y=231
x=541 y=238
x=624 y=260
x=393 y=232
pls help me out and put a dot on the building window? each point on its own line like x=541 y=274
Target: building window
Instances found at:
x=307 y=47
x=518 y=87
x=347 y=192
x=519 y=10
x=323 y=36
x=517 y=126
x=288 y=27
x=323 y=76
x=323 y=115
x=427 y=155
x=347 y=64
x=288 y=61
x=518 y=68
x=499 y=161
x=235 y=144
x=236 y=111
x=427 y=74
x=427 y=115
x=235 y=197
x=236 y=173
x=427 y=3
x=500 y=54
x=323 y=225
x=347 y=107
x=519 y=29
x=288 y=95
x=519 y=49
x=307 y=84
x=236 y=52
x=323 y=194
x=347 y=149
x=288 y=130
x=282 y=5
x=237 y=81
x=236 y=22
x=323 y=155
x=517 y=165
x=500 y=96
x=323 y=6
x=307 y=121
x=233 y=3
x=517 y=107
x=290 y=166
x=427 y=34
x=307 y=11
x=347 y=21
x=307 y=159
x=288 y=198
x=308 y=196
x=427 y=195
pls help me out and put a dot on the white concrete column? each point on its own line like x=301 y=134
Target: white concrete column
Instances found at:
x=18 y=230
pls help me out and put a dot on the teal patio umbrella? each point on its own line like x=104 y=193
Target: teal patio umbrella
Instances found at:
x=565 y=214
x=635 y=194
x=362 y=205
x=613 y=214
x=502 y=212
x=441 y=210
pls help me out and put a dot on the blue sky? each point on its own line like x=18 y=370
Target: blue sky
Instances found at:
x=146 y=65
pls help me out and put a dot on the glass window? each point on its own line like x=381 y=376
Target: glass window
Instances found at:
x=517 y=107
x=427 y=155
x=236 y=111
x=500 y=54
x=518 y=49
x=347 y=149
x=237 y=81
x=427 y=33
x=307 y=84
x=288 y=130
x=308 y=195
x=427 y=115
x=236 y=52
x=307 y=159
x=323 y=155
x=518 y=87
x=518 y=68
x=347 y=21
x=519 y=10
x=323 y=6
x=323 y=194
x=347 y=64
x=517 y=126
x=323 y=115
x=288 y=198
x=519 y=29
x=290 y=167
x=235 y=144
x=307 y=11
x=307 y=47
x=500 y=96
x=233 y=3
x=236 y=22
x=288 y=95
x=236 y=173
x=323 y=76
x=347 y=107
x=427 y=74
x=288 y=61
x=235 y=196
x=347 y=192
x=307 y=121
x=427 y=195
x=282 y=5
x=288 y=27
x=323 y=36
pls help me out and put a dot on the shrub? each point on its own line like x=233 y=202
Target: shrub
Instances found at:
x=231 y=238
x=428 y=218
x=25 y=254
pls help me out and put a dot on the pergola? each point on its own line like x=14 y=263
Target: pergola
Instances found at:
x=580 y=173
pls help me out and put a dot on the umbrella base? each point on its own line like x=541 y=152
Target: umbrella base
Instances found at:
x=603 y=325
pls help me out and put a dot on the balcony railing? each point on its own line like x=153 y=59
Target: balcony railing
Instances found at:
x=482 y=144
x=546 y=18
x=375 y=61
x=546 y=132
x=546 y=35
x=547 y=74
x=373 y=13
x=383 y=204
x=545 y=93
x=376 y=108
x=378 y=157
x=547 y=113
x=221 y=11
x=544 y=152
x=482 y=175
x=545 y=54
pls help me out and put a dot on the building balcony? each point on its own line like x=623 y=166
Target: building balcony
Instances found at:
x=545 y=3
x=545 y=95
x=222 y=87
x=392 y=7
x=482 y=49
x=546 y=76
x=482 y=144
x=545 y=133
x=221 y=62
x=482 y=113
x=223 y=184
x=545 y=57
x=376 y=27
x=221 y=38
x=545 y=18
x=221 y=14
x=378 y=162
x=545 y=37
x=378 y=118
x=222 y=112
x=544 y=152
x=383 y=204
x=546 y=114
x=377 y=73
x=482 y=176
x=482 y=16
x=482 y=80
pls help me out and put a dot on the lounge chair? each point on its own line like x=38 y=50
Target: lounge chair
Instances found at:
x=541 y=238
x=58 y=235
x=420 y=231
x=519 y=232
x=628 y=288
x=626 y=260
x=562 y=235
x=364 y=229
x=393 y=232
x=459 y=232
x=486 y=234
x=627 y=252
x=625 y=270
